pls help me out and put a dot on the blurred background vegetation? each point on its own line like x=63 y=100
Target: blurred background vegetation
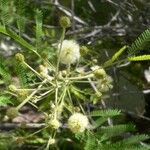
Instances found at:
x=104 y=26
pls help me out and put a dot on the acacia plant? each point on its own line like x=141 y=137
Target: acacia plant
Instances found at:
x=69 y=93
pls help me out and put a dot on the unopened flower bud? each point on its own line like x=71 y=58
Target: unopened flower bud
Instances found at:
x=23 y=93
x=105 y=84
x=52 y=141
x=12 y=112
x=84 y=50
x=100 y=73
x=94 y=61
x=64 y=73
x=12 y=88
x=55 y=124
x=19 y=57
x=43 y=69
x=65 y=22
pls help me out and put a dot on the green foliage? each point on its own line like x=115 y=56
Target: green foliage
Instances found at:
x=20 y=7
x=38 y=29
x=139 y=58
x=103 y=139
x=114 y=57
x=5 y=100
x=22 y=74
x=18 y=39
x=105 y=113
x=139 y=43
x=4 y=71
x=5 y=14
x=135 y=139
x=77 y=93
x=117 y=130
x=49 y=92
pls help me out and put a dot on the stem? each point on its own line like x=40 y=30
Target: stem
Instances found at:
x=103 y=103
x=30 y=96
x=80 y=78
x=59 y=51
x=32 y=69
x=57 y=67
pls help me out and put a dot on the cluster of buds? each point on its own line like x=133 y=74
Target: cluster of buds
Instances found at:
x=105 y=84
x=12 y=112
x=54 y=124
x=64 y=22
x=45 y=73
x=21 y=93
x=104 y=81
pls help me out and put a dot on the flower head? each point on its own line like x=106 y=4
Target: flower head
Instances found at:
x=70 y=52
x=12 y=112
x=78 y=123
x=105 y=84
x=55 y=124
x=100 y=73
x=52 y=141
x=19 y=57
x=65 y=22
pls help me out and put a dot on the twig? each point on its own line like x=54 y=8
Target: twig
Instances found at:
x=110 y=122
x=9 y=126
x=67 y=11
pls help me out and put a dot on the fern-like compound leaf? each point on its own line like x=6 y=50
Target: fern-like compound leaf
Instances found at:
x=39 y=31
x=105 y=113
x=21 y=15
x=139 y=43
x=4 y=100
x=139 y=58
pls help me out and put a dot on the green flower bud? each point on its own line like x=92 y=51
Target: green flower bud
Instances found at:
x=20 y=140
x=12 y=88
x=84 y=50
x=19 y=57
x=23 y=93
x=12 y=112
x=100 y=73
x=65 y=22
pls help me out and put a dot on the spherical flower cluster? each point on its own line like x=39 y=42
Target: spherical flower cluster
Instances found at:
x=55 y=124
x=19 y=57
x=52 y=141
x=12 y=112
x=100 y=73
x=44 y=72
x=65 y=22
x=105 y=84
x=12 y=88
x=43 y=69
x=70 y=52
x=78 y=123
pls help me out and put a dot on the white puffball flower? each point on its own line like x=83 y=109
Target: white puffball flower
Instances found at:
x=78 y=123
x=70 y=52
